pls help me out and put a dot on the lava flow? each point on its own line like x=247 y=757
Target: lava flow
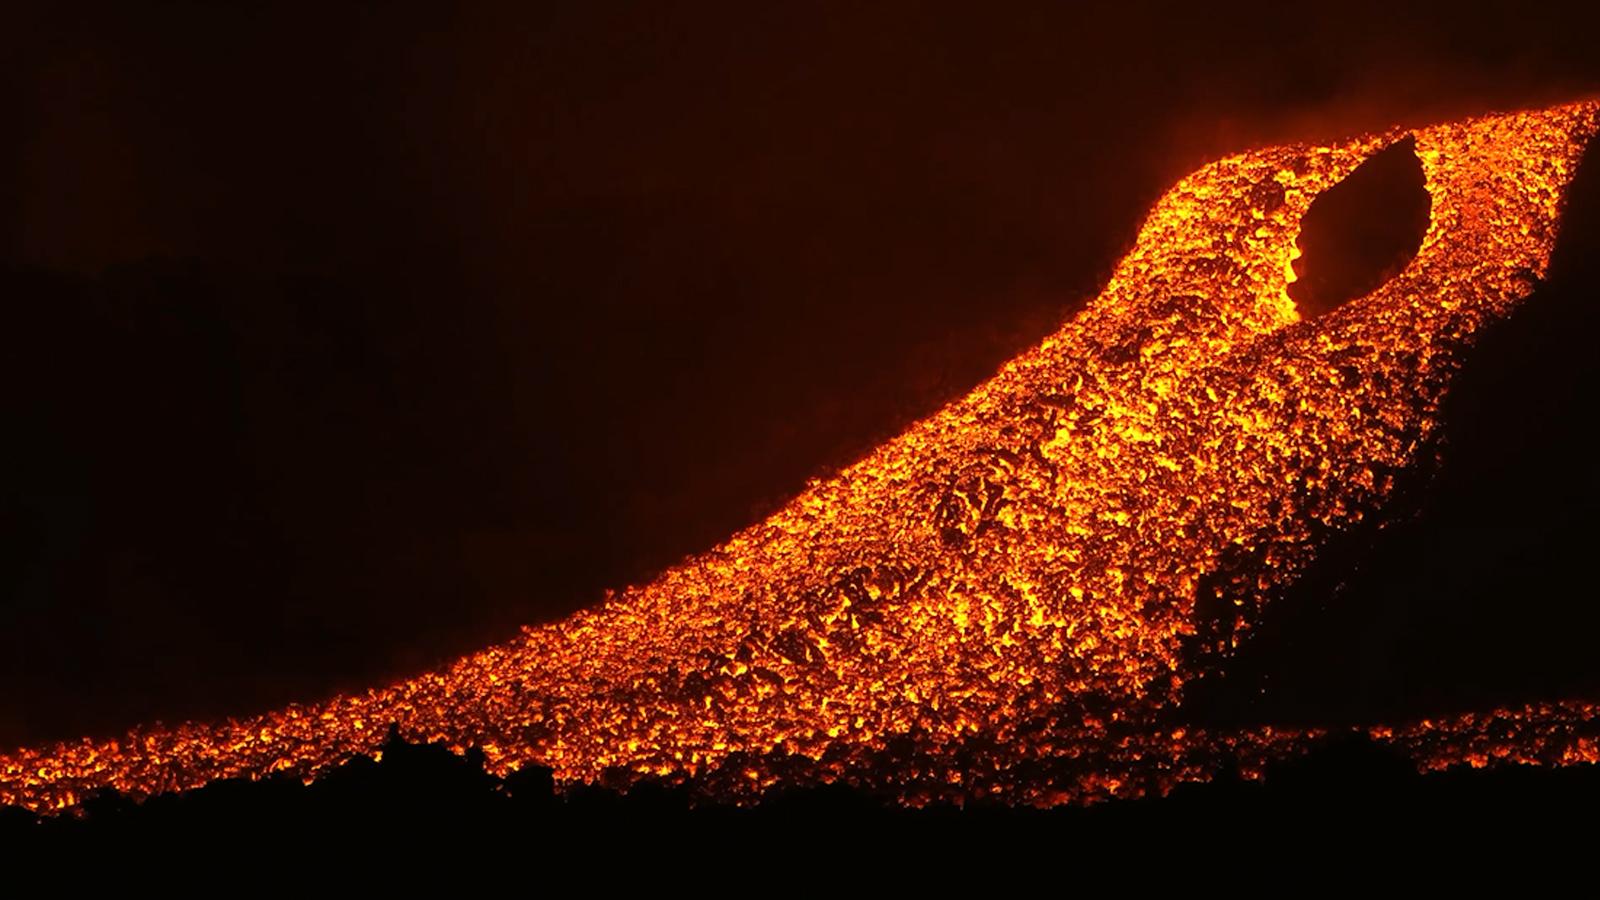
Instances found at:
x=1002 y=601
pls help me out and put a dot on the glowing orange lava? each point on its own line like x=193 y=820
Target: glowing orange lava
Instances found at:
x=1001 y=602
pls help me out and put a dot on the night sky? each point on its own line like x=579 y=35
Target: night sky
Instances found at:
x=340 y=343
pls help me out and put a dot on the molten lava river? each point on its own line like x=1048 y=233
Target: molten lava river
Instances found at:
x=1001 y=602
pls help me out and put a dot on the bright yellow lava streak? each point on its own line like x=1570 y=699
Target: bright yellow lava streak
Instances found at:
x=1000 y=602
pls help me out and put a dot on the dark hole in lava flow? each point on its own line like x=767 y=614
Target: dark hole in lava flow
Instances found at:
x=1362 y=231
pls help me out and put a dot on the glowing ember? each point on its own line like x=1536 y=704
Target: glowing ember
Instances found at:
x=1002 y=601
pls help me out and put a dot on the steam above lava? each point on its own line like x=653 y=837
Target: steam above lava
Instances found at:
x=1003 y=601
